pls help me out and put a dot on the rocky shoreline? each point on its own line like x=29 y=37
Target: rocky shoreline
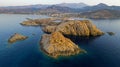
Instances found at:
x=16 y=37
x=74 y=27
x=55 y=44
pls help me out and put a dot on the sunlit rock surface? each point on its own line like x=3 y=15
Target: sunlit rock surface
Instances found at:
x=16 y=37
x=55 y=45
x=75 y=27
x=41 y=22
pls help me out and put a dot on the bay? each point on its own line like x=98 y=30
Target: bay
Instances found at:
x=103 y=51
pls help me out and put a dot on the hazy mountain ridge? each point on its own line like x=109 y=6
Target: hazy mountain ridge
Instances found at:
x=102 y=14
x=61 y=9
x=100 y=7
x=26 y=6
x=85 y=10
x=80 y=7
x=73 y=5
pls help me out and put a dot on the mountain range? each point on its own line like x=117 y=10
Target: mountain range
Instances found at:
x=60 y=8
x=72 y=5
x=102 y=14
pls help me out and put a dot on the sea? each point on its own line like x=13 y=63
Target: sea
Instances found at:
x=102 y=51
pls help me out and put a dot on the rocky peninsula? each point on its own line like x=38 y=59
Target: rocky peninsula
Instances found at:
x=39 y=22
x=54 y=43
x=16 y=37
x=35 y=22
x=75 y=27
x=43 y=22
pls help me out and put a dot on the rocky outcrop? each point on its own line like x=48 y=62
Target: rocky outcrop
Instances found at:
x=16 y=37
x=111 y=33
x=56 y=45
x=41 y=22
x=29 y=23
x=75 y=27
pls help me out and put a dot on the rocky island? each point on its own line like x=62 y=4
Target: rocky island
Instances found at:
x=54 y=43
x=16 y=37
x=39 y=22
x=74 y=27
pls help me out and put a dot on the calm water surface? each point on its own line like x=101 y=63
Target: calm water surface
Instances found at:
x=103 y=51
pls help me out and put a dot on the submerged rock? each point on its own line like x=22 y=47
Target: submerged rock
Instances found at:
x=56 y=45
x=111 y=33
x=16 y=37
x=75 y=27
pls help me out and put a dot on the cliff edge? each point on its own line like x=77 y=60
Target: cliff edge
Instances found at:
x=75 y=27
x=55 y=45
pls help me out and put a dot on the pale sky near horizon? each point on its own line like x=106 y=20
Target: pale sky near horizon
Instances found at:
x=32 y=2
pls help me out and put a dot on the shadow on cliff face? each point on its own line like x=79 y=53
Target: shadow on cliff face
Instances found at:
x=82 y=40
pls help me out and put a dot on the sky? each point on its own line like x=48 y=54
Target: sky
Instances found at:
x=32 y=2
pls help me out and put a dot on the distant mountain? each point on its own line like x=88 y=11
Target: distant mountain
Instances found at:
x=18 y=10
x=61 y=8
x=57 y=8
x=37 y=9
x=72 y=5
x=99 y=7
x=27 y=9
x=102 y=14
x=27 y=6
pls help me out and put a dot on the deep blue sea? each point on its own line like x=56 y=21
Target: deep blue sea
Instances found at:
x=103 y=51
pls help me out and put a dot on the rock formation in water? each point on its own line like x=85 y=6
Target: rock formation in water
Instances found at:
x=16 y=37
x=29 y=23
x=74 y=27
x=55 y=45
x=41 y=22
x=111 y=33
